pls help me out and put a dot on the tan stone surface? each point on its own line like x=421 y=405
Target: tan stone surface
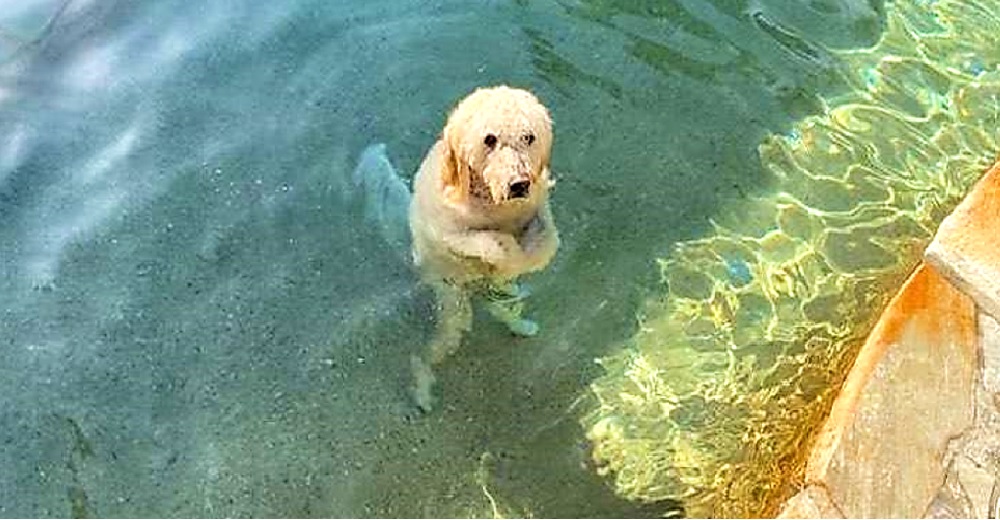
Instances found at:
x=965 y=249
x=910 y=391
x=989 y=333
x=811 y=502
x=978 y=484
x=951 y=500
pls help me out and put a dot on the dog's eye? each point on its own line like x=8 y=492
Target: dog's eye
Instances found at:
x=490 y=140
x=529 y=138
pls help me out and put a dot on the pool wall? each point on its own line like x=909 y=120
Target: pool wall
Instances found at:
x=915 y=429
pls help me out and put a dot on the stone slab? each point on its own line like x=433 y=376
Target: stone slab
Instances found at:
x=966 y=250
x=989 y=334
x=979 y=485
x=910 y=391
x=811 y=502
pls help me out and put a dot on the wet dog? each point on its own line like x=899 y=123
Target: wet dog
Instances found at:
x=480 y=217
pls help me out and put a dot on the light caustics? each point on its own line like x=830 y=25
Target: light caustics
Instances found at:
x=735 y=365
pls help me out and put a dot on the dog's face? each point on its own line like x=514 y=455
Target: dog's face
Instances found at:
x=497 y=144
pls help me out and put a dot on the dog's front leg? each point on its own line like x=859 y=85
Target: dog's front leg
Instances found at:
x=505 y=298
x=540 y=240
x=500 y=251
x=505 y=302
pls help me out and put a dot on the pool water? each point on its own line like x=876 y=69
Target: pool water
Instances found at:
x=194 y=318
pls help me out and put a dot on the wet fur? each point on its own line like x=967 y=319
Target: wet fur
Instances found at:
x=468 y=233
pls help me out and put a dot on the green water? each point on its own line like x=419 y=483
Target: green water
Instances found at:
x=194 y=320
x=740 y=353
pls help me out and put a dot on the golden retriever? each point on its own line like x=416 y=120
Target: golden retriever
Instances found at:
x=480 y=217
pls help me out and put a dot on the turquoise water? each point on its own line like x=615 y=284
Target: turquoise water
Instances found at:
x=194 y=320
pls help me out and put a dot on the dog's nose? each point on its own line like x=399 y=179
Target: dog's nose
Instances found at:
x=520 y=189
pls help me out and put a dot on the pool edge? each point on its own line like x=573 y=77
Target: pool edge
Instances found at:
x=912 y=430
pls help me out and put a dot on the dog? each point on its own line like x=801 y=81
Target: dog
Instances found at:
x=479 y=218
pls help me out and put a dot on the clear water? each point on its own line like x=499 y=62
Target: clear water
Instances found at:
x=194 y=320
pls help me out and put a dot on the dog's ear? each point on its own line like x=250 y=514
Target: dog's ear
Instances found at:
x=542 y=128
x=454 y=174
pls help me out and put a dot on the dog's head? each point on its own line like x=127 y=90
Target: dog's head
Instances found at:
x=496 y=147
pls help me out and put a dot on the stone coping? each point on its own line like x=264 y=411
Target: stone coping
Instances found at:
x=915 y=430
x=966 y=249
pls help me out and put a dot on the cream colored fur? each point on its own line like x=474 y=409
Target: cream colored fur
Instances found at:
x=471 y=231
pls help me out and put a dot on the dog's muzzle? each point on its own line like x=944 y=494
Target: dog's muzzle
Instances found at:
x=520 y=189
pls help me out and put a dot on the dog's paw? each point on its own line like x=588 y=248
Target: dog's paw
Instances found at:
x=523 y=327
x=508 y=312
x=422 y=390
x=497 y=248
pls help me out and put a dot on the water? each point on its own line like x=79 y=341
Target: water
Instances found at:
x=196 y=322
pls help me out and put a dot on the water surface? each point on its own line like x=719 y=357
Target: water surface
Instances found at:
x=195 y=321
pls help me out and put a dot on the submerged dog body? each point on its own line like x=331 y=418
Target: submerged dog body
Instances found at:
x=480 y=217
